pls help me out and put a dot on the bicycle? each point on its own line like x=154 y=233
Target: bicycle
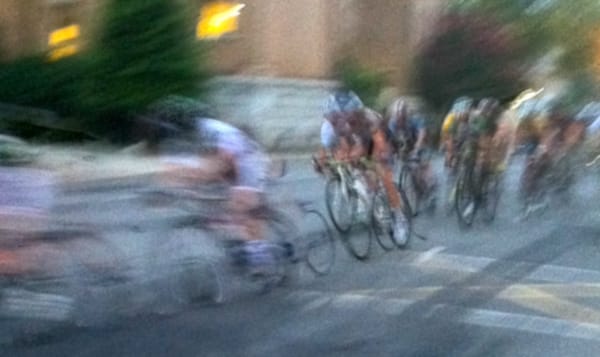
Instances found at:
x=199 y=271
x=62 y=277
x=410 y=182
x=475 y=188
x=349 y=186
x=544 y=177
x=381 y=215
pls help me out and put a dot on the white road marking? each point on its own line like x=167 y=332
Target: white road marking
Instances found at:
x=471 y=264
x=478 y=317
x=424 y=257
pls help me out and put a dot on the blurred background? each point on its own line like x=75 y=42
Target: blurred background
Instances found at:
x=77 y=78
x=96 y=64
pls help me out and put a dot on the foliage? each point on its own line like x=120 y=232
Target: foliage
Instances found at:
x=146 y=51
x=545 y=24
x=468 y=55
x=365 y=82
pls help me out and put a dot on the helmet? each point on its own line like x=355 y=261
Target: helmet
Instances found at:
x=488 y=105
x=343 y=102
x=589 y=113
x=398 y=108
x=179 y=112
x=462 y=104
x=207 y=136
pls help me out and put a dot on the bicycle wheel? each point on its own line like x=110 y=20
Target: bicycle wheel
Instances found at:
x=341 y=205
x=381 y=222
x=465 y=201
x=408 y=185
x=101 y=274
x=320 y=245
x=404 y=240
x=187 y=270
x=490 y=199
x=358 y=242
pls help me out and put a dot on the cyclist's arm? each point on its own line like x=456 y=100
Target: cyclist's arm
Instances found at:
x=419 y=126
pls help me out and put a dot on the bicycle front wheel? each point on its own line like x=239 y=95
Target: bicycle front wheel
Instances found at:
x=341 y=205
x=407 y=184
x=320 y=244
x=490 y=199
x=381 y=222
x=402 y=240
x=465 y=200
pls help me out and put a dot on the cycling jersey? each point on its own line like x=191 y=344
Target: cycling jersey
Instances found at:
x=482 y=125
x=329 y=139
x=250 y=160
x=414 y=125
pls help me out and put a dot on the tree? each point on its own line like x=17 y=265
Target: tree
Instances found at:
x=546 y=24
x=146 y=50
x=469 y=55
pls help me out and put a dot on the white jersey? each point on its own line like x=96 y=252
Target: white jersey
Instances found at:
x=250 y=159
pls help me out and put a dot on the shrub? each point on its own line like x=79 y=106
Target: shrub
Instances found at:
x=146 y=51
x=468 y=55
x=366 y=83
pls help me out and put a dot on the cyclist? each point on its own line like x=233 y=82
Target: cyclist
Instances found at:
x=410 y=130
x=216 y=151
x=361 y=133
x=335 y=129
x=483 y=123
x=557 y=139
x=454 y=134
x=454 y=130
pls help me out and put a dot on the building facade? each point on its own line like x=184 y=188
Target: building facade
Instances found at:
x=278 y=38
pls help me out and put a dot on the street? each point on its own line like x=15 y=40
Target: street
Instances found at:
x=513 y=288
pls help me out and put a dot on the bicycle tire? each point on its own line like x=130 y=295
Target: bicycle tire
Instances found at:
x=188 y=274
x=357 y=250
x=101 y=273
x=490 y=199
x=464 y=186
x=408 y=220
x=323 y=243
x=407 y=184
x=333 y=185
x=379 y=227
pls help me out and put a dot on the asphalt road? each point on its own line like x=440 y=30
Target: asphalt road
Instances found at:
x=513 y=288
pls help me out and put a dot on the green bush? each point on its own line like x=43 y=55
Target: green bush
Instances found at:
x=33 y=82
x=147 y=50
x=469 y=55
x=366 y=83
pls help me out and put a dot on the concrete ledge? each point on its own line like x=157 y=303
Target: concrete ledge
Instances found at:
x=274 y=82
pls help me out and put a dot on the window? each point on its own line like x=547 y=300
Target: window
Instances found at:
x=218 y=18
x=63 y=42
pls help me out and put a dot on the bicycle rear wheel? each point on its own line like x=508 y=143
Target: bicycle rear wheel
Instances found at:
x=381 y=222
x=188 y=268
x=341 y=205
x=465 y=200
x=320 y=244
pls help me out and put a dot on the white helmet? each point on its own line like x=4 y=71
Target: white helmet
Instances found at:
x=342 y=102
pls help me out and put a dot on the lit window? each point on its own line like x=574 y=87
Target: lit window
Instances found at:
x=218 y=18
x=62 y=42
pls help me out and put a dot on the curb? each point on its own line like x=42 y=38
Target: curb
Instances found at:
x=107 y=183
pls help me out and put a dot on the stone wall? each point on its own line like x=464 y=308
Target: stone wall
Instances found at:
x=284 y=114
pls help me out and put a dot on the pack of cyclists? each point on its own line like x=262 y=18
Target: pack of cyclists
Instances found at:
x=483 y=131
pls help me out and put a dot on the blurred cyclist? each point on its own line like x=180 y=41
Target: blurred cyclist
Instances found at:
x=361 y=133
x=215 y=151
x=454 y=130
x=410 y=133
